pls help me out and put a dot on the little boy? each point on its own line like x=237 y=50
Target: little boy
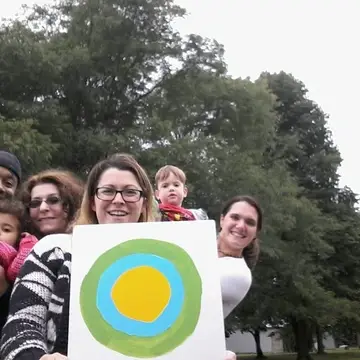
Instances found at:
x=15 y=246
x=171 y=191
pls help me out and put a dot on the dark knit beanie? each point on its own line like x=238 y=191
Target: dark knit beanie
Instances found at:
x=10 y=161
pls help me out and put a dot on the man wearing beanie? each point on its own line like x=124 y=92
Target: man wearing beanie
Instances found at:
x=10 y=177
x=10 y=173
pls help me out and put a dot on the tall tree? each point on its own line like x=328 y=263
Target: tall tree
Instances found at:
x=313 y=159
x=84 y=70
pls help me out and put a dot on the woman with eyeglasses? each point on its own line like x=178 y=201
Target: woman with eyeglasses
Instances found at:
x=118 y=190
x=52 y=199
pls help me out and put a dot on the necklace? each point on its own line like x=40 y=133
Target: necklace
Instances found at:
x=229 y=255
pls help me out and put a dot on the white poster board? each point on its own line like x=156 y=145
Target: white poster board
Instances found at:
x=146 y=291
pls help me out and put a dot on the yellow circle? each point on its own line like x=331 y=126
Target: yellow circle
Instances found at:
x=141 y=293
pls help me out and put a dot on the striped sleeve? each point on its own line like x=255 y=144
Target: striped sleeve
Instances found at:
x=24 y=335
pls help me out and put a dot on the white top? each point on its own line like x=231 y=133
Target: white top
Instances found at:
x=235 y=278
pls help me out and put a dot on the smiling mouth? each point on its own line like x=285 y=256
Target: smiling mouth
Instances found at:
x=118 y=213
x=242 y=236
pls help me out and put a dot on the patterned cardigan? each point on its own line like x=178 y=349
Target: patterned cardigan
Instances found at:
x=39 y=308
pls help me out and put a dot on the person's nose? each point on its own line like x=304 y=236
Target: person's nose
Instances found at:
x=240 y=224
x=118 y=199
x=44 y=206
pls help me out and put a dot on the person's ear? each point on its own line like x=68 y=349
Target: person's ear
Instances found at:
x=66 y=210
x=221 y=221
x=92 y=204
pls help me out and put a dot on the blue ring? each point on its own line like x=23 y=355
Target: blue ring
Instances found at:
x=132 y=327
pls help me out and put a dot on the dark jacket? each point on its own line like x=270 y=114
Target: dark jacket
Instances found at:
x=4 y=307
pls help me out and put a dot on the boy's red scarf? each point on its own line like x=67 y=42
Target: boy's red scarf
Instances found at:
x=175 y=213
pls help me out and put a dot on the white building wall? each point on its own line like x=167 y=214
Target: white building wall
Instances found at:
x=329 y=342
x=245 y=343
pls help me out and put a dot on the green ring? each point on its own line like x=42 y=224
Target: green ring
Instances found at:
x=158 y=345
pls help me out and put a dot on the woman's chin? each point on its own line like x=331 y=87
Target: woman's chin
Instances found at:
x=239 y=244
x=117 y=219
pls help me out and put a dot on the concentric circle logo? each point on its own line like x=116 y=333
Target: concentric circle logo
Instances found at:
x=142 y=298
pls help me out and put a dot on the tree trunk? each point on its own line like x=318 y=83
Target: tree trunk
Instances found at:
x=302 y=332
x=259 y=352
x=319 y=339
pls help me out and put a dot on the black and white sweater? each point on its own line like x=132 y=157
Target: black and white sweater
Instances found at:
x=39 y=307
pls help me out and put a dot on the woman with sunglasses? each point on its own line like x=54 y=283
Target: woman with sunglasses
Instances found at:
x=118 y=190
x=52 y=199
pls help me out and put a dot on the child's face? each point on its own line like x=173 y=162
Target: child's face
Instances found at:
x=171 y=191
x=9 y=229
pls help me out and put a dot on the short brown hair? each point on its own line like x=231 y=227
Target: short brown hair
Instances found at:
x=252 y=251
x=70 y=188
x=14 y=207
x=120 y=162
x=164 y=172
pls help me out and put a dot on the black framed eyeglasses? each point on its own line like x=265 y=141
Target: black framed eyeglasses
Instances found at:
x=50 y=200
x=109 y=194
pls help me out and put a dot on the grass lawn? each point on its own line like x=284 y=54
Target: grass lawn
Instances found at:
x=351 y=354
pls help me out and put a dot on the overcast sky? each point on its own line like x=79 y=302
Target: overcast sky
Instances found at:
x=315 y=40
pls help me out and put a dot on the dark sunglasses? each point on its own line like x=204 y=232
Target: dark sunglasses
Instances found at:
x=51 y=201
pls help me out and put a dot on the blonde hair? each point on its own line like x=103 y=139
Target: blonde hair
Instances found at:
x=120 y=162
x=70 y=188
x=164 y=172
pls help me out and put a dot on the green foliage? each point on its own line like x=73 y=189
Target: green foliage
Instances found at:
x=33 y=148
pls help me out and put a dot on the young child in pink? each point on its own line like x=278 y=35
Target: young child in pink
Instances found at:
x=171 y=191
x=15 y=246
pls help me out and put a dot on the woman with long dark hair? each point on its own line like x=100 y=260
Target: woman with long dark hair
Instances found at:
x=238 y=247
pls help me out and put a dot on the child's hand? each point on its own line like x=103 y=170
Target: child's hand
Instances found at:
x=7 y=254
